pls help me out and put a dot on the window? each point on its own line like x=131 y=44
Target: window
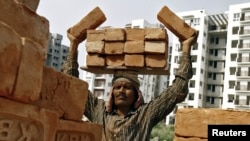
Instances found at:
x=215 y=64
x=216 y=52
x=208 y=87
x=230 y=98
x=196 y=21
x=209 y=75
x=214 y=76
x=212 y=40
x=191 y=96
x=210 y=63
x=212 y=100
x=236 y=17
x=213 y=88
x=194 y=71
x=217 y=41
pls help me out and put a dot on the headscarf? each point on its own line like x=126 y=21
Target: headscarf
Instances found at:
x=130 y=76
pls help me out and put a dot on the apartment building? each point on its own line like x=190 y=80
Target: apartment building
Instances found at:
x=237 y=68
x=57 y=53
x=221 y=60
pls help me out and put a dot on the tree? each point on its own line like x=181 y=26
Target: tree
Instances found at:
x=163 y=132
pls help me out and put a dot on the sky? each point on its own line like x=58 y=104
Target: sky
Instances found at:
x=63 y=14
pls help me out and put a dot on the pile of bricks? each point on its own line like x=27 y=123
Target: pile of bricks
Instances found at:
x=37 y=103
x=135 y=48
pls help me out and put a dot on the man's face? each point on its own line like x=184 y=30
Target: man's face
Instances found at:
x=124 y=94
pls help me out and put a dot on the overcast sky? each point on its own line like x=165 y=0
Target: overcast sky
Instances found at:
x=63 y=14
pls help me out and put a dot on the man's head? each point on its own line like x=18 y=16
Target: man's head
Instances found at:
x=125 y=91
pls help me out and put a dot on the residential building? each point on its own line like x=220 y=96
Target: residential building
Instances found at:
x=237 y=68
x=220 y=59
x=56 y=53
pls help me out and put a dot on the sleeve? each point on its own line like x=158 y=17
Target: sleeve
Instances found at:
x=94 y=108
x=70 y=65
x=160 y=107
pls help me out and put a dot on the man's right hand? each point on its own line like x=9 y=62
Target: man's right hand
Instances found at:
x=187 y=44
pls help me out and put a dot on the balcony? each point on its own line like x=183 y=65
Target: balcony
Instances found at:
x=244 y=46
x=245 y=20
x=243 y=60
x=242 y=88
x=245 y=74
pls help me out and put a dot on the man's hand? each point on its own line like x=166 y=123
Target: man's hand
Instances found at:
x=187 y=44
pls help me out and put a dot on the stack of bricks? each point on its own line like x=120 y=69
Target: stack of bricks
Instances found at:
x=37 y=103
x=135 y=48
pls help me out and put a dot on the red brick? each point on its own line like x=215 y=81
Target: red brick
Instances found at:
x=95 y=60
x=133 y=34
x=134 y=60
x=95 y=47
x=175 y=24
x=156 y=34
x=134 y=46
x=26 y=22
x=91 y=21
x=29 y=78
x=197 y=126
x=156 y=61
x=159 y=47
x=64 y=94
x=114 y=48
x=10 y=54
x=114 y=34
x=32 y=4
x=29 y=122
x=95 y=35
x=115 y=60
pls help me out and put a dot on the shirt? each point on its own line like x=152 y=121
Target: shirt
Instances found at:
x=138 y=124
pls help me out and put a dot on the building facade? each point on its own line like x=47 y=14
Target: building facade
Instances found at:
x=220 y=59
x=57 y=53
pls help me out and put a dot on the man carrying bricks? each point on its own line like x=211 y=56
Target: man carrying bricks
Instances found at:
x=125 y=116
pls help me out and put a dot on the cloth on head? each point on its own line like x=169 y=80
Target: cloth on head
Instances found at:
x=129 y=75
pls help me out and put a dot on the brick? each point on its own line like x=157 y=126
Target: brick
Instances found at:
x=114 y=48
x=32 y=4
x=159 y=47
x=133 y=34
x=175 y=24
x=134 y=60
x=95 y=60
x=156 y=61
x=29 y=77
x=114 y=34
x=156 y=34
x=115 y=60
x=95 y=47
x=95 y=35
x=134 y=46
x=91 y=21
x=10 y=54
x=26 y=121
x=176 y=138
x=29 y=122
x=38 y=31
x=206 y=117
x=64 y=94
x=78 y=131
